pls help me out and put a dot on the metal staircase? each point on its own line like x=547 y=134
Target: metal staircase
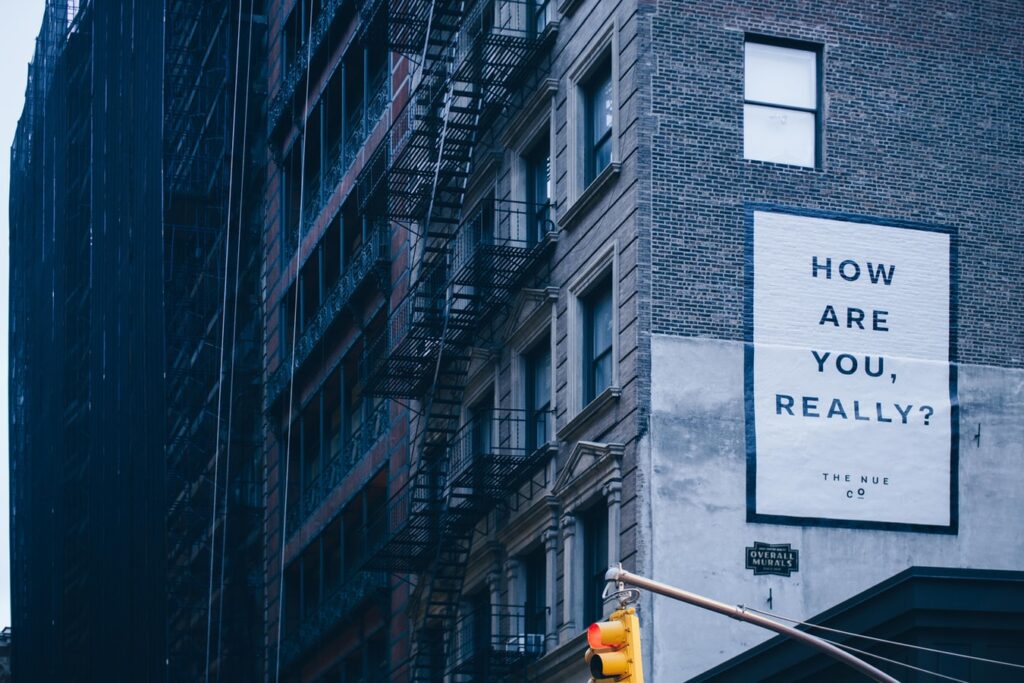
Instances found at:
x=469 y=59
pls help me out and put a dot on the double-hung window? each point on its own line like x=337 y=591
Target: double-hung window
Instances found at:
x=781 y=110
x=536 y=599
x=597 y=340
x=538 y=191
x=539 y=12
x=599 y=111
x=538 y=395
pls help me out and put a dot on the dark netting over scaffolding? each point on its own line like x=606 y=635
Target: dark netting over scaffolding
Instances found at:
x=135 y=224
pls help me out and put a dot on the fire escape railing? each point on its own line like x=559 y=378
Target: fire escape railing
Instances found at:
x=341 y=157
x=296 y=73
x=470 y=59
x=489 y=455
x=492 y=643
x=372 y=427
x=353 y=592
x=368 y=260
x=485 y=460
x=493 y=250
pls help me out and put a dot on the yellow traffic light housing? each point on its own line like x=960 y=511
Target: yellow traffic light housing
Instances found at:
x=614 y=652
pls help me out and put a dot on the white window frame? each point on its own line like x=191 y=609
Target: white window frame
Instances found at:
x=816 y=50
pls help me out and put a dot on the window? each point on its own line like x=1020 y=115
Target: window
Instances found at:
x=592 y=366
x=481 y=416
x=538 y=190
x=535 y=564
x=539 y=9
x=780 y=110
x=475 y=627
x=595 y=561
x=538 y=394
x=597 y=340
x=599 y=113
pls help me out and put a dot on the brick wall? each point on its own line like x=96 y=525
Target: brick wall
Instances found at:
x=921 y=121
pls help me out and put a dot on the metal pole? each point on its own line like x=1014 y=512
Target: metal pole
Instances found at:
x=738 y=612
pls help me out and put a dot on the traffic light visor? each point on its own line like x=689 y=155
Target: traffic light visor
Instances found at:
x=606 y=634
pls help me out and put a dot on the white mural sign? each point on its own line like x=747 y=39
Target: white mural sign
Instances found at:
x=850 y=393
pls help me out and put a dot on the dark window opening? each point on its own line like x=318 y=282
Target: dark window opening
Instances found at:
x=599 y=112
x=535 y=564
x=538 y=394
x=597 y=340
x=595 y=561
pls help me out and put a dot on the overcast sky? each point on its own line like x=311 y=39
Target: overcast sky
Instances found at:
x=17 y=41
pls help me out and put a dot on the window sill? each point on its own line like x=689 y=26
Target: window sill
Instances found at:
x=567 y=7
x=781 y=164
x=590 y=195
x=582 y=418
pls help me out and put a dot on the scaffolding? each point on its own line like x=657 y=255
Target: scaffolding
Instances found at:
x=87 y=456
x=212 y=228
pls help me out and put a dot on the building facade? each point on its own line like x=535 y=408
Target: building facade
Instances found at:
x=705 y=289
x=455 y=304
x=761 y=428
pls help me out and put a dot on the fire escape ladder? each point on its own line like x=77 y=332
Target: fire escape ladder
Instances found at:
x=467 y=266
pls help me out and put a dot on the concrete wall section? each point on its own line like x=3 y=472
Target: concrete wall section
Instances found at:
x=699 y=530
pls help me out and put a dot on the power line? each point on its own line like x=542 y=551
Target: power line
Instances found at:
x=223 y=334
x=282 y=537
x=896 y=662
x=234 y=334
x=884 y=641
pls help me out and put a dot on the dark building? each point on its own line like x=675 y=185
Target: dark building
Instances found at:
x=135 y=222
x=5 y=655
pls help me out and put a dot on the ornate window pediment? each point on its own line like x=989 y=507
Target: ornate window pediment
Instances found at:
x=590 y=469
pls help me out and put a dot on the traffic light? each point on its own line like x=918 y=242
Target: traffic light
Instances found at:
x=614 y=653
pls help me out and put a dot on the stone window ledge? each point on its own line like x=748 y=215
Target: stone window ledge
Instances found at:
x=595 y=407
x=590 y=195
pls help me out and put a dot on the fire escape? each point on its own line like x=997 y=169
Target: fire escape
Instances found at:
x=474 y=63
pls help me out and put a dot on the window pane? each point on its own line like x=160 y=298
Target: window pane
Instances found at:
x=481 y=417
x=542 y=380
x=536 y=584
x=601 y=107
x=602 y=155
x=781 y=75
x=538 y=395
x=598 y=341
x=780 y=135
x=540 y=15
x=602 y=317
x=602 y=374
x=595 y=560
x=538 y=190
x=599 y=113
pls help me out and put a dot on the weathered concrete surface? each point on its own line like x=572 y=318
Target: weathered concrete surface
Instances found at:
x=698 y=507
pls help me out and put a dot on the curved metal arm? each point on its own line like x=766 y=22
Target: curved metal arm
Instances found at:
x=738 y=612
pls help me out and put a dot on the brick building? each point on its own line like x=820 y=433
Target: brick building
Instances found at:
x=537 y=276
x=727 y=293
